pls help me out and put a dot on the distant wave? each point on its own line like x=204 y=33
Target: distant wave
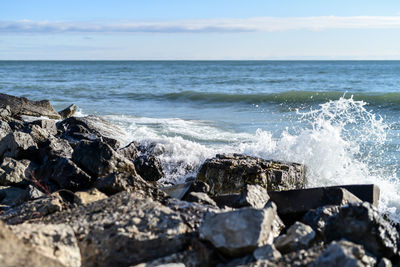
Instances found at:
x=284 y=97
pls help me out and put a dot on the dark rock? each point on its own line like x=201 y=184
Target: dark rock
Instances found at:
x=149 y=167
x=18 y=145
x=152 y=148
x=68 y=111
x=64 y=173
x=241 y=231
x=177 y=190
x=41 y=130
x=344 y=253
x=267 y=252
x=131 y=151
x=363 y=224
x=317 y=218
x=14 y=172
x=384 y=263
x=298 y=236
x=366 y=192
x=99 y=159
x=201 y=198
x=199 y=186
x=227 y=174
x=22 y=106
x=298 y=258
x=12 y=196
x=243 y=261
x=54 y=148
x=16 y=125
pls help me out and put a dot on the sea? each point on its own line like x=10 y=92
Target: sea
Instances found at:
x=339 y=118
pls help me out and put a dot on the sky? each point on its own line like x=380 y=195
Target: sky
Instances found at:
x=199 y=30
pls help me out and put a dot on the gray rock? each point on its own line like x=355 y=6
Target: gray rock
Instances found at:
x=298 y=236
x=34 y=192
x=149 y=167
x=344 y=253
x=22 y=106
x=54 y=148
x=41 y=130
x=254 y=196
x=317 y=218
x=131 y=151
x=5 y=113
x=198 y=186
x=68 y=111
x=14 y=172
x=57 y=242
x=18 y=145
x=267 y=252
x=177 y=190
x=201 y=198
x=240 y=231
x=5 y=129
x=362 y=223
x=99 y=159
x=227 y=174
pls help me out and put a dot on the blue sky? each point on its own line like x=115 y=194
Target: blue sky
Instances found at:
x=177 y=29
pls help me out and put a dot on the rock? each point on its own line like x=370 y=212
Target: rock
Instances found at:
x=201 y=198
x=198 y=186
x=34 y=193
x=90 y=128
x=298 y=236
x=149 y=167
x=14 y=172
x=131 y=151
x=5 y=129
x=12 y=196
x=177 y=190
x=384 y=263
x=242 y=261
x=125 y=229
x=86 y=197
x=68 y=111
x=22 y=106
x=241 y=231
x=18 y=145
x=14 y=252
x=57 y=242
x=293 y=204
x=227 y=174
x=317 y=218
x=5 y=113
x=64 y=173
x=254 y=196
x=344 y=253
x=267 y=252
x=54 y=148
x=363 y=224
x=99 y=159
x=41 y=130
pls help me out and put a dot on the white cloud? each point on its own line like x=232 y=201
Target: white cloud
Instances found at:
x=260 y=24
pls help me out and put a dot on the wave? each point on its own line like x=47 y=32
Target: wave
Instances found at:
x=385 y=99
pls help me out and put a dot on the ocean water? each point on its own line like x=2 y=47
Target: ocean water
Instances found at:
x=339 y=118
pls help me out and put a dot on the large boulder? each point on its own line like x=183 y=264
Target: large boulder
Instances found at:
x=18 y=145
x=22 y=106
x=227 y=174
x=241 y=231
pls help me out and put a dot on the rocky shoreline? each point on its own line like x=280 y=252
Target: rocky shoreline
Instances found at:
x=71 y=196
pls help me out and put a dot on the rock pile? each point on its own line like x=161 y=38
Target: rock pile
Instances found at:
x=71 y=196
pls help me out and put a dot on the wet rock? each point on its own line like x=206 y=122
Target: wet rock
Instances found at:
x=298 y=236
x=22 y=106
x=68 y=111
x=363 y=224
x=149 y=167
x=201 y=198
x=227 y=174
x=64 y=173
x=14 y=172
x=267 y=252
x=18 y=145
x=131 y=151
x=86 y=197
x=240 y=231
x=57 y=242
x=14 y=252
x=54 y=148
x=12 y=196
x=344 y=253
x=99 y=159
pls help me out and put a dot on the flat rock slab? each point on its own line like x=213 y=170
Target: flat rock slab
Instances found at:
x=22 y=106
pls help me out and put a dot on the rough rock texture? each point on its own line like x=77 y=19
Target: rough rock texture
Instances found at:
x=57 y=242
x=14 y=252
x=5 y=113
x=177 y=190
x=14 y=172
x=201 y=198
x=317 y=218
x=18 y=145
x=99 y=159
x=344 y=253
x=362 y=223
x=22 y=106
x=227 y=174
x=68 y=111
x=86 y=197
x=298 y=236
x=254 y=196
x=41 y=130
x=54 y=148
x=149 y=167
x=5 y=129
x=131 y=151
x=267 y=252
x=125 y=229
x=240 y=231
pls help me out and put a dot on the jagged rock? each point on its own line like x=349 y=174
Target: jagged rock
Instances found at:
x=86 y=197
x=14 y=172
x=344 y=253
x=68 y=111
x=298 y=236
x=201 y=198
x=177 y=190
x=18 y=145
x=14 y=252
x=41 y=130
x=90 y=128
x=22 y=106
x=240 y=231
x=317 y=218
x=267 y=252
x=125 y=229
x=362 y=223
x=131 y=151
x=5 y=113
x=149 y=167
x=34 y=192
x=99 y=159
x=33 y=210
x=151 y=148
x=5 y=129
x=254 y=196
x=57 y=242
x=227 y=174
x=64 y=173
x=54 y=148
x=12 y=196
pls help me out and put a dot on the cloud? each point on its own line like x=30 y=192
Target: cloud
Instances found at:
x=259 y=24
